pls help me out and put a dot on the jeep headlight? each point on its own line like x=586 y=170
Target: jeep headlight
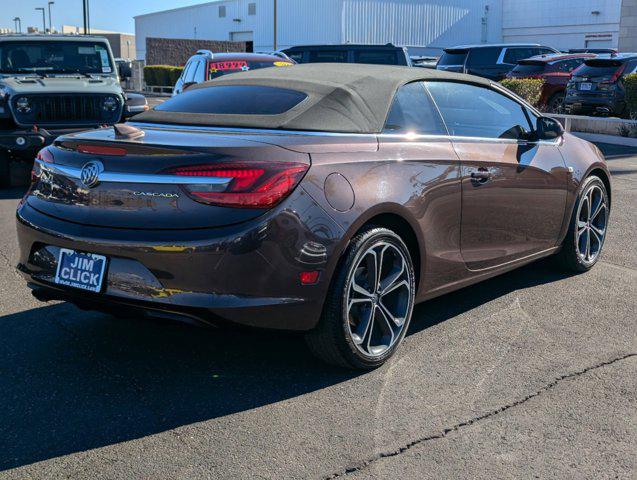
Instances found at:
x=22 y=105
x=110 y=104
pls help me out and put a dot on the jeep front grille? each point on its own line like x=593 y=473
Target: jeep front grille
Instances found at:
x=65 y=110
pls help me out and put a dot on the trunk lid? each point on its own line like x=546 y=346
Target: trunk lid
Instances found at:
x=134 y=191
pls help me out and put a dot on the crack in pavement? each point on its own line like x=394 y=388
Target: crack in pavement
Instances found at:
x=379 y=456
x=7 y=260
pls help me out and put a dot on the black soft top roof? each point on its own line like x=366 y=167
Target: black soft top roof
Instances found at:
x=350 y=98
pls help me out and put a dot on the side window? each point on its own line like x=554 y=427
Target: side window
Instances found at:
x=412 y=111
x=483 y=57
x=512 y=55
x=544 y=51
x=473 y=111
x=200 y=73
x=184 y=74
x=332 y=56
x=194 y=71
x=296 y=55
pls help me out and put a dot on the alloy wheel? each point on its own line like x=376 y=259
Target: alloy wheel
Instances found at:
x=592 y=217
x=379 y=299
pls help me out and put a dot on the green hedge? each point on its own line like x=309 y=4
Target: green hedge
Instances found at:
x=161 y=75
x=530 y=89
x=630 y=84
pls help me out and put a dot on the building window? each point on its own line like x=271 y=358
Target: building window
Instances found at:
x=222 y=11
x=252 y=8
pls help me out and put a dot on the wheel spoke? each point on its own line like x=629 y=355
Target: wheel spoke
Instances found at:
x=601 y=207
x=398 y=321
x=361 y=290
x=587 y=255
x=364 y=327
x=597 y=238
x=390 y=325
x=589 y=204
x=371 y=259
x=354 y=301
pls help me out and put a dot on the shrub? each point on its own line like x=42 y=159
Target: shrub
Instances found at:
x=161 y=75
x=630 y=84
x=530 y=89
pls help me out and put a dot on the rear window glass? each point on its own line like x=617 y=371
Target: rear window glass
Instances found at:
x=219 y=69
x=484 y=56
x=234 y=100
x=413 y=111
x=599 y=68
x=529 y=68
x=376 y=57
x=328 y=56
x=452 y=58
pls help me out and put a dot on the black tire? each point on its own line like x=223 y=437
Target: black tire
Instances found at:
x=556 y=103
x=569 y=256
x=5 y=171
x=331 y=340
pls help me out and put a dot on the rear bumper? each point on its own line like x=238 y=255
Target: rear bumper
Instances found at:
x=246 y=274
x=580 y=103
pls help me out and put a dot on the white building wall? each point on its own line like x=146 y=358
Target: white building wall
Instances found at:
x=562 y=24
x=436 y=23
x=416 y=22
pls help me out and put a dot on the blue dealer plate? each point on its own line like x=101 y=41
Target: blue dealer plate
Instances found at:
x=80 y=270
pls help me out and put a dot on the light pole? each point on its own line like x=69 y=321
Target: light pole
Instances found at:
x=18 y=24
x=87 y=21
x=275 y=12
x=43 y=17
x=50 y=22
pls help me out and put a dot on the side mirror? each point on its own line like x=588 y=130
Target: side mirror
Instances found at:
x=125 y=70
x=548 y=128
x=134 y=103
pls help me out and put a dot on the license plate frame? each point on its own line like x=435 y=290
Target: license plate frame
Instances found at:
x=80 y=270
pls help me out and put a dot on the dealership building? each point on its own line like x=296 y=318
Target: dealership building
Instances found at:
x=429 y=25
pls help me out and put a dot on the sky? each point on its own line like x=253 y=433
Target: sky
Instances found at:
x=116 y=15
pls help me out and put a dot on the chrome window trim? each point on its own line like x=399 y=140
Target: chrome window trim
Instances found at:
x=119 y=177
x=240 y=130
x=371 y=136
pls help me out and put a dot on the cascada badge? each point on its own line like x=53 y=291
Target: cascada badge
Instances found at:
x=90 y=174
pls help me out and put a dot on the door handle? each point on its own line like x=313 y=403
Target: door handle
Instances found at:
x=482 y=175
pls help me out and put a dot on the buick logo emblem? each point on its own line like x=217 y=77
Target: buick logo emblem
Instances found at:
x=90 y=174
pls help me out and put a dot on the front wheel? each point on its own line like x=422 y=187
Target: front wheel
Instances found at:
x=587 y=231
x=369 y=305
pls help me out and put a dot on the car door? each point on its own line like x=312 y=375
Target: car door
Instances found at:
x=513 y=189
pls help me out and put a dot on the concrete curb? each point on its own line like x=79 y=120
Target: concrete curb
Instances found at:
x=610 y=139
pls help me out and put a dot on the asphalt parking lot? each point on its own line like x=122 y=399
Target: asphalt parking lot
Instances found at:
x=529 y=375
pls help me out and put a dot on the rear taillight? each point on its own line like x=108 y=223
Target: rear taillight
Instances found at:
x=45 y=155
x=618 y=73
x=246 y=185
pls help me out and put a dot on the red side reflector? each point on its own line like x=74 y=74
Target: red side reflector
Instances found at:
x=101 y=150
x=310 y=278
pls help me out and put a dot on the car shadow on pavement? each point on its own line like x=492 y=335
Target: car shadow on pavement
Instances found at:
x=12 y=193
x=72 y=381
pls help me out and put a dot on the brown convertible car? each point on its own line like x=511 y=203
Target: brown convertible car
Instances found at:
x=320 y=198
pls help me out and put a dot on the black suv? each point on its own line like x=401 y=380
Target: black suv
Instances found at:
x=375 y=54
x=598 y=85
x=488 y=61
